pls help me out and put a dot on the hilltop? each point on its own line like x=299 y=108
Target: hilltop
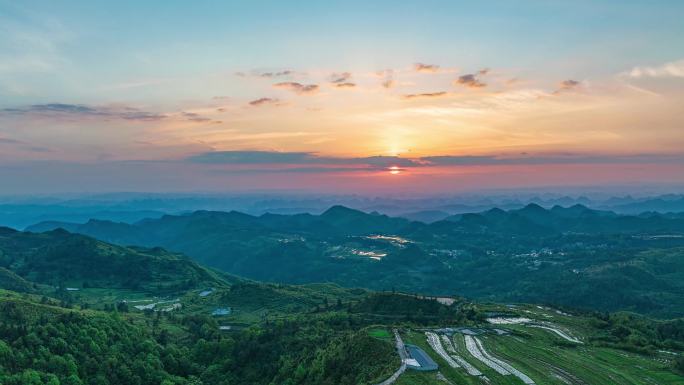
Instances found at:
x=561 y=255
x=61 y=259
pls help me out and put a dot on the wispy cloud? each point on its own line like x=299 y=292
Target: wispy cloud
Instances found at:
x=104 y=112
x=673 y=69
x=266 y=74
x=114 y=112
x=31 y=45
x=471 y=80
x=342 y=80
x=296 y=158
x=568 y=85
x=345 y=85
x=264 y=102
x=388 y=78
x=195 y=117
x=426 y=95
x=298 y=88
x=427 y=68
x=342 y=77
x=451 y=160
x=308 y=162
x=9 y=141
x=22 y=145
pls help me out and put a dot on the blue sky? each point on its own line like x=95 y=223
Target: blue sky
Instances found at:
x=165 y=81
x=103 y=42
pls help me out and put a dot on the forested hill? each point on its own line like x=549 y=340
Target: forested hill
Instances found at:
x=562 y=255
x=62 y=259
x=150 y=317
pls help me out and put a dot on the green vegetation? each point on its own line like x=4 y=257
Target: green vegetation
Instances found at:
x=560 y=256
x=45 y=344
x=11 y=281
x=153 y=324
x=61 y=259
x=548 y=359
x=381 y=333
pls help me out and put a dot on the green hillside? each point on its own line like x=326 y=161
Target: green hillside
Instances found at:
x=64 y=260
x=11 y=281
x=562 y=255
x=226 y=330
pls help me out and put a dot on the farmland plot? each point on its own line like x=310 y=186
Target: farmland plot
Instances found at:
x=447 y=343
x=559 y=332
x=436 y=345
x=503 y=364
x=474 y=350
x=470 y=369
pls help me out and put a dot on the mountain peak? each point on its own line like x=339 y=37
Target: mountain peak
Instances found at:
x=7 y=230
x=340 y=210
x=533 y=207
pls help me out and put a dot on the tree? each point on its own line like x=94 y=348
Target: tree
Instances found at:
x=679 y=363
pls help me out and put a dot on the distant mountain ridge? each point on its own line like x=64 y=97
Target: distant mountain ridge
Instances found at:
x=531 y=254
x=343 y=220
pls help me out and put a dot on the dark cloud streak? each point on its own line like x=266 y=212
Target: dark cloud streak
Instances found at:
x=426 y=95
x=298 y=87
x=264 y=102
x=471 y=80
x=422 y=67
x=273 y=161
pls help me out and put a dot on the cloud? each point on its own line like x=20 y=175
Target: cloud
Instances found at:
x=340 y=77
x=268 y=74
x=37 y=149
x=251 y=157
x=471 y=80
x=388 y=78
x=276 y=74
x=388 y=83
x=296 y=158
x=194 y=117
x=341 y=80
x=298 y=87
x=245 y=162
x=21 y=145
x=104 y=112
x=567 y=85
x=10 y=141
x=428 y=68
x=116 y=112
x=345 y=85
x=455 y=160
x=287 y=170
x=264 y=102
x=426 y=95
x=673 y=69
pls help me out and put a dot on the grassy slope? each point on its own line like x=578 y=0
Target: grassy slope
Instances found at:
x=547 y=360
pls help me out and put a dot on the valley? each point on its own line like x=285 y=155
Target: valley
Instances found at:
x=197 y=324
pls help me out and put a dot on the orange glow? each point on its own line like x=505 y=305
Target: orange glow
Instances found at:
x=394 y=170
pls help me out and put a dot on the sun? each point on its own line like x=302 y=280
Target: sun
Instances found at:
x=394 y=170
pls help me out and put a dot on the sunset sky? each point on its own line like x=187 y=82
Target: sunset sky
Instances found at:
x=356 y=96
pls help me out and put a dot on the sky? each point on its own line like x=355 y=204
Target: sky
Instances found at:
x=339 y=96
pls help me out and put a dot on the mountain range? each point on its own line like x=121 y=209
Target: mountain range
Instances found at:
x=560 y=255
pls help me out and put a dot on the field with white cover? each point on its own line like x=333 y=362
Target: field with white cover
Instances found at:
x=549 y=349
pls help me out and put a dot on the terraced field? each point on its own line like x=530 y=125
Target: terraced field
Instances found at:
x=523 y=354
